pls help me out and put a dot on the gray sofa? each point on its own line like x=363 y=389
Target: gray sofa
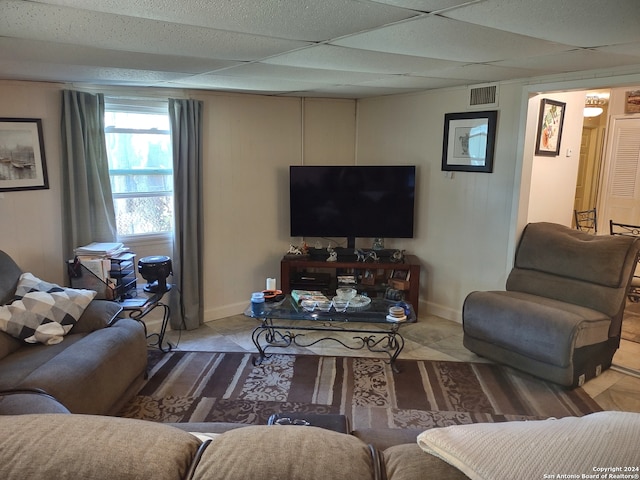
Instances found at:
x=45 y=446
x=99 y=366
x=560 y=316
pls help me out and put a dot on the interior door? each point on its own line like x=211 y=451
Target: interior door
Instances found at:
x=587 y=170
x=622 y=184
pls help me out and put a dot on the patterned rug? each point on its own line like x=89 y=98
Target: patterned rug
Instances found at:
x=227 y=387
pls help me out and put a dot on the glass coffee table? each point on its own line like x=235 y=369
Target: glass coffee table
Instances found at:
x=283 y=324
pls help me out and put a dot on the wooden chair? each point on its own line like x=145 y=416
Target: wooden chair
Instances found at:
x=586 y=220
x=629 y=231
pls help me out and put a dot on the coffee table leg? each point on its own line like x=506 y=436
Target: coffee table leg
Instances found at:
x=255 y=336
x=396 y=343
x=272 y=338
x=391 y=344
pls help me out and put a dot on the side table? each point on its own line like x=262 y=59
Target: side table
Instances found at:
x=141 y=305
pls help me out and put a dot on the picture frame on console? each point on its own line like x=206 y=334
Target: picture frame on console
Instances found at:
x=22 y=160
x=469 y=141
x=369 y=277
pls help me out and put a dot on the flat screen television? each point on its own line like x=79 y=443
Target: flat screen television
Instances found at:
x=352 y=201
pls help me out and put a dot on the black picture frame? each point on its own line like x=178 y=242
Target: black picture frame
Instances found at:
x=550 y=122
x=469 y=141
x=23 y=164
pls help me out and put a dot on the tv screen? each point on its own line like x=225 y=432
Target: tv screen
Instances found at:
x=352 y=201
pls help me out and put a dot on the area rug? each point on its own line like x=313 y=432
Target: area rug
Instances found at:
x=227 y=387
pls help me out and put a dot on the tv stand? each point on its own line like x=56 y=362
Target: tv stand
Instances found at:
x=373 y=278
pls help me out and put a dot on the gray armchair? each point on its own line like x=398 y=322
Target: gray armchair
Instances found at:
x=560 y=316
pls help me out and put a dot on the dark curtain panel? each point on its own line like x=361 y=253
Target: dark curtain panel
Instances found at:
x=186 y=299
x=88 y=212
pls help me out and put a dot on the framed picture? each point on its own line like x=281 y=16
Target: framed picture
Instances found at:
x=632 y=101
x=22 y=161
x=550 y=127
x=369 y=277
x=469 y=140
x=400 y=274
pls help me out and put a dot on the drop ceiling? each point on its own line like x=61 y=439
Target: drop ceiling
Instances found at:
x=313 y=48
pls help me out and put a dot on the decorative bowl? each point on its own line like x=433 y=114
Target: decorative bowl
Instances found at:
x=346 y=293
x=308 y=305
x=323 y=305
x=340 y=304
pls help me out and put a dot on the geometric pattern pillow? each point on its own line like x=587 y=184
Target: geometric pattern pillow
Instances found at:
x=43 y=312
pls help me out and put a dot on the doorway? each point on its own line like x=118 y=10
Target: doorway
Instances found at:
x=591 y=153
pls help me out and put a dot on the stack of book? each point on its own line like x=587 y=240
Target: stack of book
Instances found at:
x=100 y=249
x=96 y=257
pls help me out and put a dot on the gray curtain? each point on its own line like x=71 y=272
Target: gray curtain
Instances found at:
x=88 y=212
x=186 y=298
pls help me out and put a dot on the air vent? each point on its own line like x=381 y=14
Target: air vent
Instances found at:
x=483 y=96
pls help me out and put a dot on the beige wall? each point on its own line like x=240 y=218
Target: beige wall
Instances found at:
x=249 y=143
x=550 y=199
x=466 y=226
x=461 y=222
x=30 y=221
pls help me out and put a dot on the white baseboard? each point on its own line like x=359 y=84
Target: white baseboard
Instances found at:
x=441 y=311
x=225 y=311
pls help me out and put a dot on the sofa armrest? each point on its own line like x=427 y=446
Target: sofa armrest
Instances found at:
x=99 y=314
x=29 y=400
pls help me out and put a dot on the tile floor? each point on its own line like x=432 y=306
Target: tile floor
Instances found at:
x=431 y=338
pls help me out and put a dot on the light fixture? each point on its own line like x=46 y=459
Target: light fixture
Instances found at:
x=593 y=105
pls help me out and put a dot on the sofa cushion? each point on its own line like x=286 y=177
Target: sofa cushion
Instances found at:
x=291 y=452
x=408 y=462
x=43 y=312
x=57 y=446
x=9 y=278
x=578 y=446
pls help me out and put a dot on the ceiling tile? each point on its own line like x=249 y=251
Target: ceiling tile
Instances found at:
x=102 y=30
x=84 y=74
x=357 y=60
x=632 y=49
x=261 y=70
x=425 y=5
x=309 y=20
x=480 y=72
x=65 y=54
x=585 y=23
x=417 y=83
x=352 y=91
x=247 y=84
x=447 y=39
x=573 y=61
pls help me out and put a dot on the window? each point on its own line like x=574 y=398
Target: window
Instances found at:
x=140 y=165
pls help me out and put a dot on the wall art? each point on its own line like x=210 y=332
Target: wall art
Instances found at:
x=22 y=160
x=469 y=140
x=550 y=127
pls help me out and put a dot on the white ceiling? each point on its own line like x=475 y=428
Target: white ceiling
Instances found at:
x=315 y=48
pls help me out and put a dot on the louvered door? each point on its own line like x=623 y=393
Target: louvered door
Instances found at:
x=622 y=192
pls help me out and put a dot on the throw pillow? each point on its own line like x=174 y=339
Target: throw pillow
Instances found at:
x=43 y=312
x=576 y=447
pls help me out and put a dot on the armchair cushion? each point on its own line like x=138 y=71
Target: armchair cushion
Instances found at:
x=542 y=328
